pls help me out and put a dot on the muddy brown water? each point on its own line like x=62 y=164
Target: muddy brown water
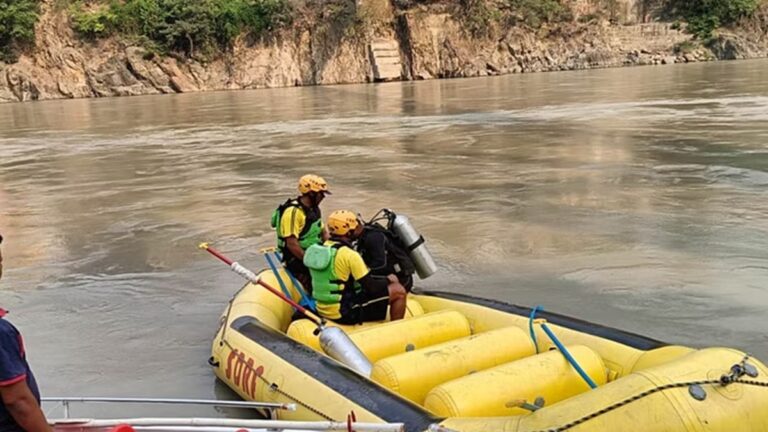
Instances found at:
x=634 y=198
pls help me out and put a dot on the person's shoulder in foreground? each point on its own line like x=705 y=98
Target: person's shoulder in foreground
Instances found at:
x=20 y=409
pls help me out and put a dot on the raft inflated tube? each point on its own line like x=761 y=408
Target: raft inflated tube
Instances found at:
x=497 y=391
x=303 y=330
x=401 y=336
x=736 y=407
x=415 y=373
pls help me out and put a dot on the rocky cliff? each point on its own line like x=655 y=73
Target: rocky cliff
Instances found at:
x=429 y=42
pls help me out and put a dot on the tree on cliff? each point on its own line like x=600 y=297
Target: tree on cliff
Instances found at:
x=199 y=27
x=17 y=26
x=704 y=16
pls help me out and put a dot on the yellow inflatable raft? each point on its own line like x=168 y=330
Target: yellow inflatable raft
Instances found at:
x=469 y=364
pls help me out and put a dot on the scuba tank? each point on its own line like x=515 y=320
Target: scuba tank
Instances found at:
x=414 y=244
x=339 y=346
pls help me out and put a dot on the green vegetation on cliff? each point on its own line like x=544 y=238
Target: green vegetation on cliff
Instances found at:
x=190 y=27
x=537 y=12
x=17 y=26
x=478 y=15
x=704 y=16
x=201 y=28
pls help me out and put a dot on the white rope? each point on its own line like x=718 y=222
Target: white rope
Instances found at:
x=244 y=272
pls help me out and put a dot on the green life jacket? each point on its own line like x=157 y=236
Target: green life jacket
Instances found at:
x=312 y=232
x=326 y=285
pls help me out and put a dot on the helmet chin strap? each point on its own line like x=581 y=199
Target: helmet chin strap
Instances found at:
x=310 y=197
x=315 y=197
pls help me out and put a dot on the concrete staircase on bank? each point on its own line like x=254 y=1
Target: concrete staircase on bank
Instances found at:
x=385 y=58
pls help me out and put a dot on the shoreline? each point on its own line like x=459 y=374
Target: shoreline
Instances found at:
x=408 y=47
x=213 y=91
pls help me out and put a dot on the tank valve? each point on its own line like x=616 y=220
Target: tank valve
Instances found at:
x=522 y=403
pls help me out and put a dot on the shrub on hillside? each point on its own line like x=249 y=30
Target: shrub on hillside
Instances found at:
x=537 y=12
x=704 y=16
x=191 y=27
x=478 y=16
x=17 y=26
x=95 y=22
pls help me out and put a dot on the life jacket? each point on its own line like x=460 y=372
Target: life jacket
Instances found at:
x=398 y=261
x=313 y=226
x=327 y=288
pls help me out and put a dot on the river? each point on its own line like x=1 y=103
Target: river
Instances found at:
x=634 y=198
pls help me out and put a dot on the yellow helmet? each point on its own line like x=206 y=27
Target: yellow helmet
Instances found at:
x=312 y=183
x=341 y=222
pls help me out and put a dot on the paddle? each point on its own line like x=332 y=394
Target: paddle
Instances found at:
x=250 y=276
x=333 y=340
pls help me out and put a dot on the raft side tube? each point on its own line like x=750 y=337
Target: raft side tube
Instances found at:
x=321 y=387
x=498 y=391
x=414 y=374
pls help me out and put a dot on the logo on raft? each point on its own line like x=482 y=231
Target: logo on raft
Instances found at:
x=241 y=372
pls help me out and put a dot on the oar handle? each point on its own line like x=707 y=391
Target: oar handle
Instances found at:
x=214 y=252
x=249 y=275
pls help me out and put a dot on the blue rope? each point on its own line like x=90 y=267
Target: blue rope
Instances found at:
x=530 y=326
x=559 y=346
x=277 y=275
x=568 y=356
x=306 y=300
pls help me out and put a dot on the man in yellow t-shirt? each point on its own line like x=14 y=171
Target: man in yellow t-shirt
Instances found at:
x=298 y=225
x=342 y=285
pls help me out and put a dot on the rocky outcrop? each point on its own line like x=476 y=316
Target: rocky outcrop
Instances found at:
x=432 y=44
x=732 y=46
x=440 y=50
x=63 y=66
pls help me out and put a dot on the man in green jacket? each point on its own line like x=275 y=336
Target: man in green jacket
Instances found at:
x=298 y=224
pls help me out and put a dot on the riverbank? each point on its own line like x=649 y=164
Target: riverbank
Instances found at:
x=384 y=43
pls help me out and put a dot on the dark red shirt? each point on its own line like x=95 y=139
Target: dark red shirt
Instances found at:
x=13 y=369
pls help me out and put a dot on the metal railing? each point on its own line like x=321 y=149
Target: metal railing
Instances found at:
x=271 y=407
x=187 y=424
x=234 y=425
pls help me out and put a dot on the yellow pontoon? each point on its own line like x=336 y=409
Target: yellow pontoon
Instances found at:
x=469 y=364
